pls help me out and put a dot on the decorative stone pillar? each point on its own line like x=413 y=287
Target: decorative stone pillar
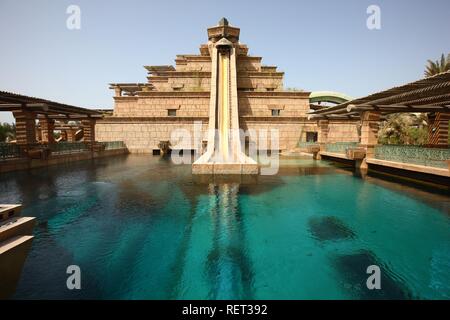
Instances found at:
x=370 y=124
x=118 y=91
x=25 y=127
x=47 y=127
x=89 y=131
x=322 y=136
x=70 y=133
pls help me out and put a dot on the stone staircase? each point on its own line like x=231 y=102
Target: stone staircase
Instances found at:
x=15 y=243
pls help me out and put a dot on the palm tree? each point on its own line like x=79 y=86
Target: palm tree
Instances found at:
x=404 y=128
x=394 y=129
x=435 y=67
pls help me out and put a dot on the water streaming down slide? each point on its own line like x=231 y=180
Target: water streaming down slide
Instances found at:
x=223 y=107
x=224 y=154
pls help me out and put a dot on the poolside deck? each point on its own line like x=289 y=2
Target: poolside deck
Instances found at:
x=411 y=167
x=417 y=171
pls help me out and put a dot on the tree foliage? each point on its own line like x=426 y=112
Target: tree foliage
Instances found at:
x=7 y=132
x=411 y=128
x=404 y=128
x=438 y=66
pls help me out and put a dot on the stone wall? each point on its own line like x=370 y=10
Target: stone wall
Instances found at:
x=203 y=65
x=261 y=104
x=182 y=81
x=248 y=63
x=143 y=135
x=258 y=82
x=343 y=131
x=158 y=106
x=290 y=132
x=143 y=121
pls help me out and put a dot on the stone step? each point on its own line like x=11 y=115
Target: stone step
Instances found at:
x=9 y=210
x=16 y=226
x=15 y=243
x=13 y=253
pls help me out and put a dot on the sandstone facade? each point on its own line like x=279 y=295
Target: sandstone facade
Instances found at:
x=178 y=97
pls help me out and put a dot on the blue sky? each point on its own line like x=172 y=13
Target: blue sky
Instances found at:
x=320 y=45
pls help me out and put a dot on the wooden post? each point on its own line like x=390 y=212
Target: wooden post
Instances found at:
x=438 y=128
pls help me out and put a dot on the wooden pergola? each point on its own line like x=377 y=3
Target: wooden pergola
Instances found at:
x=26 y=110
x=430 y=95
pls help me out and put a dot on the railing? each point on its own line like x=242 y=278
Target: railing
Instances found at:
x=431 y=157
x=113 y=145
x=67 y=147
x=14 y=151
x=339 y=147
x=9 y=151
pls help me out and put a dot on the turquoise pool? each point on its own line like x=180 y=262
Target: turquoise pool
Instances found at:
x=140 y=227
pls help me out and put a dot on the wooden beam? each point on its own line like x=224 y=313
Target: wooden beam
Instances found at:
x=10 y=106
x=37 y=106
x=333 y=117
x=426 y=90
x=69 y=116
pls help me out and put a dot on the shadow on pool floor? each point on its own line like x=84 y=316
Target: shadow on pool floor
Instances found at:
x=352 y=270
x=329 y=228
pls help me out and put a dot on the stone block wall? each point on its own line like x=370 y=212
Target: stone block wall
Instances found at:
x=259 y=106
x=259 y=82
x=159 y=106
x=343 y=131
x=182 y=81
x=290 y=133
x=194 y=65
x=198 y=82
x=143 y=135
x=248 y=63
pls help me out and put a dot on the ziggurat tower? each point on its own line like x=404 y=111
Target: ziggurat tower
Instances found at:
x=223 y=84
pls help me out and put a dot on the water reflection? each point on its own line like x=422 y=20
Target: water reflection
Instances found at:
x=228 y=267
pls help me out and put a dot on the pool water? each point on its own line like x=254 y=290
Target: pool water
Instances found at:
x=140 y=227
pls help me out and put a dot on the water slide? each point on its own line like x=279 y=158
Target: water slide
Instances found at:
x=224 y=154
x=328 y=96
